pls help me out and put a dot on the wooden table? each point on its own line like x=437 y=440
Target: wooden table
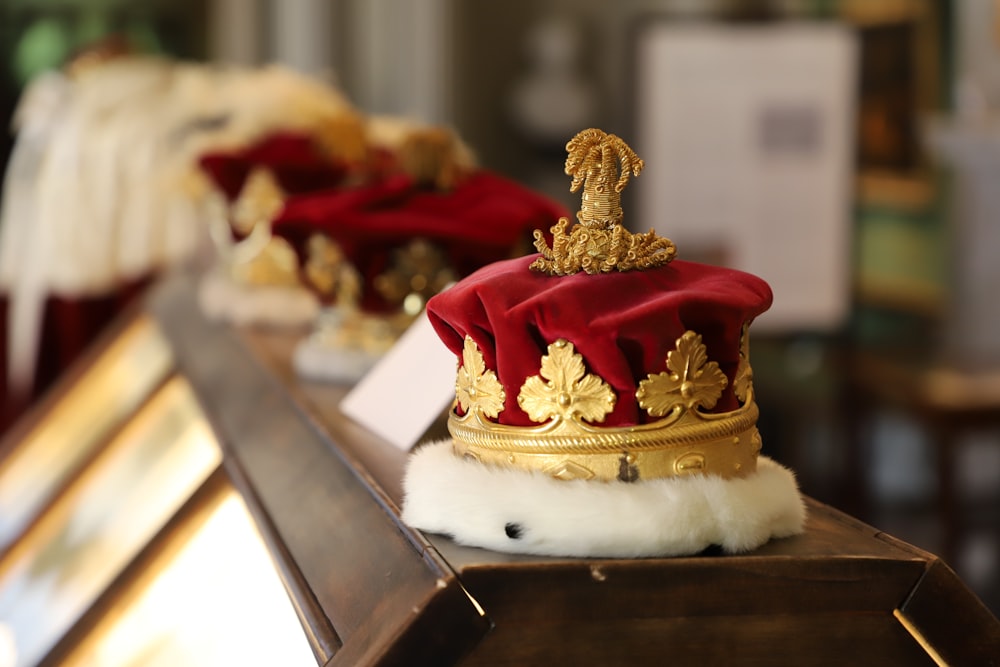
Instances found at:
x=326 y=494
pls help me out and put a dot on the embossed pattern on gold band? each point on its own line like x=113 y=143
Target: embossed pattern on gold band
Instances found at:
x=683 y=443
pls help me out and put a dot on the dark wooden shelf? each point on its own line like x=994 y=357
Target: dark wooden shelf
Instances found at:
x=326 y=494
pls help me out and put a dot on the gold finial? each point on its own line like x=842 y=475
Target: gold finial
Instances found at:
x=259 y=202
x=591 y=162
x=434 y=157
x=329 y=272
x=603 y=164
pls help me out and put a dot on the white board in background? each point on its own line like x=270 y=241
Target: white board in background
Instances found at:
x=748 y=136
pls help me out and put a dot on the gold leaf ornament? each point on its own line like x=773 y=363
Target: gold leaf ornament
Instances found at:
x=569 y=391
x=692 y=381
x=743 y=381
x=477 y=388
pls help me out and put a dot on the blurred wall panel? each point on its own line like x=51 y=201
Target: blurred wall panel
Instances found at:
x=301 y=35
x=235 y=32
x=400 y=57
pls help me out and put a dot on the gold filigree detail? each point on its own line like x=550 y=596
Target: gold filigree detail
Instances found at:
x=743 y=381
x=477 y=387
x=331 y=275
x=592 y=162
x=603 y=164
x=418 y=271
x=570 y=391
x=693 y=380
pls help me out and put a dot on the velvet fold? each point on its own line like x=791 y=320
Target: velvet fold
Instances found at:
x=295 y=160
x=623 y=324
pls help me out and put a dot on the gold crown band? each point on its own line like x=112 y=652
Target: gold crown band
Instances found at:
x=563 y=398
x=683 y=443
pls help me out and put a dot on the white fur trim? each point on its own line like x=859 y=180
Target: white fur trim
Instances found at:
x=474 y=503
x=221 y=299
x=320 y=361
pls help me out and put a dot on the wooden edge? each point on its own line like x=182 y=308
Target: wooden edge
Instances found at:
x=839 y=516
x=949 y=621
x=444 y=632
x=319 y=631
x=171 y=304
x=427 y=639
x=917 y=552
x=447 y=626
x=322 y=637
x=137 y=569
x=302 y=406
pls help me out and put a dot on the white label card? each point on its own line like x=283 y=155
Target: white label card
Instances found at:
x=407 y=389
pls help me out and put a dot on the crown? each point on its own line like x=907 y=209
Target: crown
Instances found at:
x=677 y=412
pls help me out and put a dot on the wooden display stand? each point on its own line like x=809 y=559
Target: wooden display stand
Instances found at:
x=325 y=494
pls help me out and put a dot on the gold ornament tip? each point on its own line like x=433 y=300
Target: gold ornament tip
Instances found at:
x=602 y=164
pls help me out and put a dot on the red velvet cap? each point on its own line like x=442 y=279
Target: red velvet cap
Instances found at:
x=295 y=159
x=484 y=219
x=622 y=323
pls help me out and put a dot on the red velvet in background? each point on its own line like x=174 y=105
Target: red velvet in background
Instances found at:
x=485 y=219
x=623 y=324
x=298 y=165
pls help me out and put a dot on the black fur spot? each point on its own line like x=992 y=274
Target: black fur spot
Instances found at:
x=513 y=530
